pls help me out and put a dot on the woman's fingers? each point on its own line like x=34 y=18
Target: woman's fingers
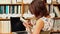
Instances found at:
x=26 y=25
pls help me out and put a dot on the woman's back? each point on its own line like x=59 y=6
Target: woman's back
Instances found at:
x=48 y=24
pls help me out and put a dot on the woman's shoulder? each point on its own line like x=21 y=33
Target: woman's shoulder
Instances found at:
x=40 y=21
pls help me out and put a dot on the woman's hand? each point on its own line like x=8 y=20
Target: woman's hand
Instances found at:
x=27 y=24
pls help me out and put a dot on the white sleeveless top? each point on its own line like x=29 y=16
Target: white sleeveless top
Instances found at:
x=48 y=23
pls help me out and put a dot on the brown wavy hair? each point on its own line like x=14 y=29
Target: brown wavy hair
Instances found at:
x=38 y=8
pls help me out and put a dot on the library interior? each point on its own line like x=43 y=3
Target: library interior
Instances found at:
x=14 y=12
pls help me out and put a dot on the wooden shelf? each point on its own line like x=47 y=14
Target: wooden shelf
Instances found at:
x=52 y=4
x=56 y=18
x=56 y=4
x=4 y=19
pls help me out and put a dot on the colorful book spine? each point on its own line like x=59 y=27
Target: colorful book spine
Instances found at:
x=12 y=9
x=1 y=9
x=7 y=9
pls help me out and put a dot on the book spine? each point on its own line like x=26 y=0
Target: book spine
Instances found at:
x=1 y=9
x=51 y=8
x=49 y=1
x=5 y=27
x=19 y=9
x=13 y=1
x=15 y=9
x=7 y=9
x=0 y=26
x=12 y=9
x=57 y=11
x=4 y=9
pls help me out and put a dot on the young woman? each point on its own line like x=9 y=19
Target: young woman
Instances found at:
x=43 y=21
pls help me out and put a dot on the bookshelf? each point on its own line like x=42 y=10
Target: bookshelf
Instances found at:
x=53 y=3
x=54 y=7
x=15 y=3
x=5 y=16
x=5 y=22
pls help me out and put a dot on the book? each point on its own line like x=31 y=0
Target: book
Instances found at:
x=0 y=27
x=1 y=9
x=13 y=1
x=19 y=9
x=51 y=8
x=5 y=1
x=15 y=9
x=7 y=9
x=49 y=1
x=18 y=1
x=8 y=1
x=16 y=24
x=10 y=9
x=56 y=25
x=27 y=1
x=57 y=11
x=5 y=27
x=58 y=1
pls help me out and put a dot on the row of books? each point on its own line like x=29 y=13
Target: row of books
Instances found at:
x=10 y=9
x=14 y=1
x=53 y=1
x=56 y=26
x=5 y=1
x=54 y=9
x=5 y=27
